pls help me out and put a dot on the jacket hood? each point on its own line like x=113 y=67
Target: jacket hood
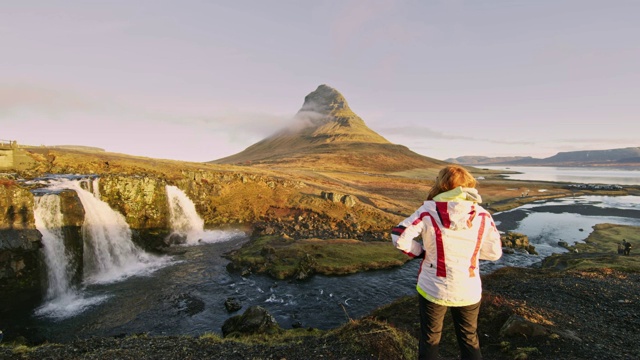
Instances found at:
x=459 y=194
x=456 y=208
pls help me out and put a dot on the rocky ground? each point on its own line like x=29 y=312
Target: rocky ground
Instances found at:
x=560 y=310
x=558 y=314
x=585 y=314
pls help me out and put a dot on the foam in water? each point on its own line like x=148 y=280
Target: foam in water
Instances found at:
x=186 y=224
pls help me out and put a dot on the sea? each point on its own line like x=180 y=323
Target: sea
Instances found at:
x=581 y=175
x=184 y=293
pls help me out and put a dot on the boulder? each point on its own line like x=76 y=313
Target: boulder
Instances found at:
x=349 y=200
x=232 y=304
x=256 y=320
x=517 y=241
x=518 y=326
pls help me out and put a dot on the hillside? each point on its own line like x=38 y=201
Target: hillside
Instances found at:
x=485 y=160
x=613 y=157
x=327 y=134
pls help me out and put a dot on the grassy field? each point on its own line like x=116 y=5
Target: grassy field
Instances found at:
x=600 y=250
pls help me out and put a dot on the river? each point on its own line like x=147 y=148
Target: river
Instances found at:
x=186 y=294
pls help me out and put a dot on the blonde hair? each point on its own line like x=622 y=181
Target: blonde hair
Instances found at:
x=450 y=178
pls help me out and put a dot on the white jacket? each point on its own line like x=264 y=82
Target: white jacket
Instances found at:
x=456 y=233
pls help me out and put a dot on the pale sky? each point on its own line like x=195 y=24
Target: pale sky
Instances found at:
x=201 y=80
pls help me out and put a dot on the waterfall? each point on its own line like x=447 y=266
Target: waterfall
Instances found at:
x=184 y=219
x=48 y=219
x=63 y=299
x=187 y=226
x=109 y=254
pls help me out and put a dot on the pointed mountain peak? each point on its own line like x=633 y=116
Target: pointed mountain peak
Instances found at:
x=326 y=117
x=326 y=100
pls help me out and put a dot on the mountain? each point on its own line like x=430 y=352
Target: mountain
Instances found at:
x=327 y=134
x=613 y=157
x=485 y=160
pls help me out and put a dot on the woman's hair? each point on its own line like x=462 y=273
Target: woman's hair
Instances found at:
x=450 y=178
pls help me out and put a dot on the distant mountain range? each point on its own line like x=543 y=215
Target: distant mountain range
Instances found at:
x=614 y=157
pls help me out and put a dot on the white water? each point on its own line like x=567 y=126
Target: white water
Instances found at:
x=109 y=255
x=63 y=299
x=188 y=225
x=48 y=220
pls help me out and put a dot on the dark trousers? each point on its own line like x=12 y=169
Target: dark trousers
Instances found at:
x=465 y=322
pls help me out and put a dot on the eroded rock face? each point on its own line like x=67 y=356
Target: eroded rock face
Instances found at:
x=21 y=264
x=143 y=202
x=305 y=224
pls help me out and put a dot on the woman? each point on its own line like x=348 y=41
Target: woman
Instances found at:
x=456 y=233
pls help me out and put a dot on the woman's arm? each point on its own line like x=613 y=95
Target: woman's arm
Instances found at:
x=404 y=234
x=492 y=245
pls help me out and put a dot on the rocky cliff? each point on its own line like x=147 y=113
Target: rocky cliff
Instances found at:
x=21 y=265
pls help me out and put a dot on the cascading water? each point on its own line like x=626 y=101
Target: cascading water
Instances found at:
x=63 y=299
x=187 y=225
x=109 y=255
x=49 y=222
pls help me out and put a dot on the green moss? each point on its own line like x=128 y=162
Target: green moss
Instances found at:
x=284 y=258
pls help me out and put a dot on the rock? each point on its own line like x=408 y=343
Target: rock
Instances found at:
x=188 y=304
x=256 y=320
x=306 y=267
x=518 y=326
x=515 y=240
x=348 y=200
x=232 y=304
x=175 y=239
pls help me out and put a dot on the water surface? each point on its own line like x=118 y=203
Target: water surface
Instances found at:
x=580 y=175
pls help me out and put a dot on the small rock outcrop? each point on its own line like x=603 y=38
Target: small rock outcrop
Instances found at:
x=347 y=200
x=232 y=304
x=256 y=320
x=515 y=240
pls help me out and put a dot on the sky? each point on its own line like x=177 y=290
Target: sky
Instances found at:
x=200 y=80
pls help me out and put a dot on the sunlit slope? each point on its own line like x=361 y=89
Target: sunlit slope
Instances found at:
x=327 y=134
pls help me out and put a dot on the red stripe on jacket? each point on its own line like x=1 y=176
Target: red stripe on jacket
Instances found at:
x=442 y=208
x=441 y=269
x=474 y=258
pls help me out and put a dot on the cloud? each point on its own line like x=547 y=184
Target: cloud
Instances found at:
x=422 y=132
x=16 y=97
